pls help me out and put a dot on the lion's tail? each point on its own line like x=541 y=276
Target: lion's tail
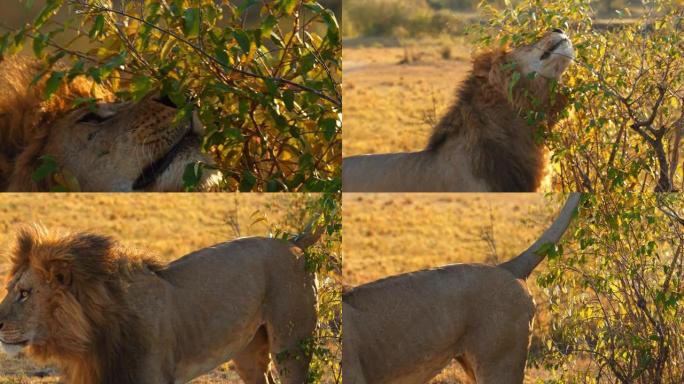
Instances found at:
x=308 y=238
x=524 y=264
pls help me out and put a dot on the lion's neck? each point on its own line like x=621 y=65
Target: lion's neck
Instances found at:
x=106 y=350
x=500 y=145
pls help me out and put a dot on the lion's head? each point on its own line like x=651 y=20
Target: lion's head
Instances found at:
x=549 y=57
x=116 y=147
x=65 y=302
x=536 y=66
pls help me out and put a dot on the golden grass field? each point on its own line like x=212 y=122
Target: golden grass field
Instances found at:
x=388 y=234
x=168 y=225
x=391 y=107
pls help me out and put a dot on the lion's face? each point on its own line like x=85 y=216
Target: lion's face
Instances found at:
x=549 y=57
x=128 y=147
x=21 y=312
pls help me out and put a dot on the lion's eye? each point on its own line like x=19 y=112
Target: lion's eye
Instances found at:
x=24 y=294
x=92 y=117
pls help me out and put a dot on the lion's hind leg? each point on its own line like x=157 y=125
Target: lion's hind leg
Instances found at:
x=252 y=362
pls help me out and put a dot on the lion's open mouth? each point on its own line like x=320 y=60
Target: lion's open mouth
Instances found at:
x=551 y=50
x=154 y=170
x=15 y=343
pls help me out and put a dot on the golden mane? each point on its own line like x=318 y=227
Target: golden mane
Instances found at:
x=489 y=114
x=93 y=335
x=25 y=117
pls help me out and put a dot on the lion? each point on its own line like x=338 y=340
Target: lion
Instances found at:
x=121 y=146
x=105 y=314
x=405 y=329
x=484 y=143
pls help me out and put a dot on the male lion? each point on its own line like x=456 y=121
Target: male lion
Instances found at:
x=405 y=329
x=117 y=147
x=105 y=314
x=484 y=143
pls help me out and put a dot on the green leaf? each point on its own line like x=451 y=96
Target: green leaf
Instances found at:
x=4 y=42
x=50 y=8
x=39 y=43
x=193 y=175
x=515 y=77
x=247 y=182
x=288 y=6
x=329 y=128
x=98 y=25
x=243 y=40
x=53 y=84
x=47 y=167
x=191 y=23
x=140 y=86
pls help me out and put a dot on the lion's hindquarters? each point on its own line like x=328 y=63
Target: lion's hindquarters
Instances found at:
x=409 y=327
x=257 y=290
x=291 y=315
x=225 y=295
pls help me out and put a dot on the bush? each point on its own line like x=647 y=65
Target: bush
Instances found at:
x=325 y=260
x=263 y=76
x=614 y=293
x=624 y=127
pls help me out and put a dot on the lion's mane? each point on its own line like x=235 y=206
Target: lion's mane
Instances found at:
x=489 y=116
x=89 y=330
x=26 y=117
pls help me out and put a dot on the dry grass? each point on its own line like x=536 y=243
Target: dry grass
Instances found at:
x=387 y=234
x=169 y=225
x=391 y=107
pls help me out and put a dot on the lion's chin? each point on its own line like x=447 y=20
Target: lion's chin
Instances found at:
x=15 y=349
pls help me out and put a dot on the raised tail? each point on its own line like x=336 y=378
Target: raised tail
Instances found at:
x=522 y=265
x=309 y=237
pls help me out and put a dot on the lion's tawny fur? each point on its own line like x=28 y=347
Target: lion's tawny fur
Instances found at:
x=106 y=314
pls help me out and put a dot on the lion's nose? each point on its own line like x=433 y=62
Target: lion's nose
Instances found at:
x=558 y=30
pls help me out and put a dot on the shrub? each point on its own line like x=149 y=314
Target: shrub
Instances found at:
x=624 y=127
x=263 y=76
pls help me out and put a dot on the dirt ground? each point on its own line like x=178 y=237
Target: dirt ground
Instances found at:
x=168 y=225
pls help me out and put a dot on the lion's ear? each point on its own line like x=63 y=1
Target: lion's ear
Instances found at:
x=59 y=273
x=482 y=64
x=26 y=238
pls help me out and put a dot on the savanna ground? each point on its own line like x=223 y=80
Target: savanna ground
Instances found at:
x=395 y=90
x=388 y=234
x=167 y=225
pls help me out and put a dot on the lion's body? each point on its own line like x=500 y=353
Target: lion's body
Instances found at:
x=140 y=322
x=405 y=172
x=405 y=329
x=108 y=152
x=407 y=336
x=483 y=144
